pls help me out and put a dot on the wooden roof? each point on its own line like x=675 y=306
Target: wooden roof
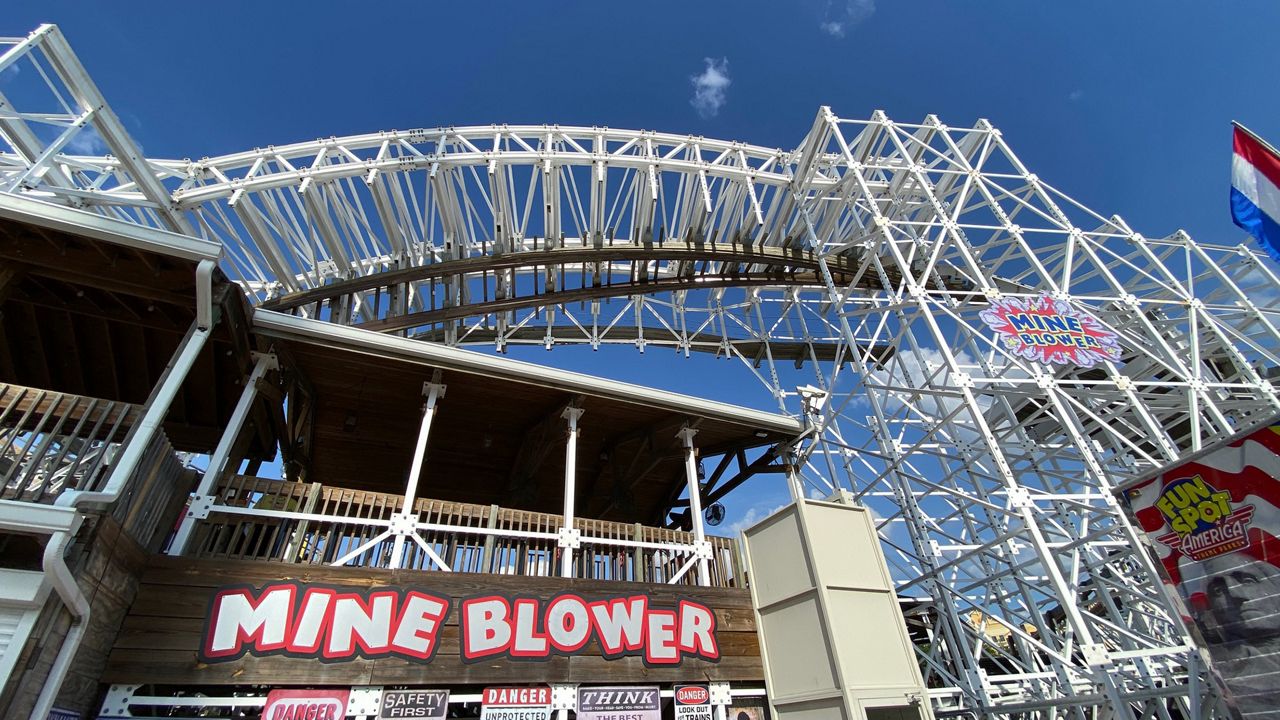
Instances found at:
x=499 y=435
x=86 y=312
x=96 y=307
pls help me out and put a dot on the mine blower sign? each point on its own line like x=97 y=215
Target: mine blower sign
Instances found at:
x=333 y=624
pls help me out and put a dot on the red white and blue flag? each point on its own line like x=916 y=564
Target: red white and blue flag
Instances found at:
x=1255 y=189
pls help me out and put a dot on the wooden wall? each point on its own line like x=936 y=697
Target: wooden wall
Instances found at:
x=107 y=563
x=158 y=640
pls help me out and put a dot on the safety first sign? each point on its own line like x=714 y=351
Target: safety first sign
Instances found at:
x=692 y=702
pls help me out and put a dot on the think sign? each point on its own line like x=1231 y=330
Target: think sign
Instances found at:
x=1050 y=331
x=414 y=704
x=692 y=702
x=516 y=703
x=619 y=703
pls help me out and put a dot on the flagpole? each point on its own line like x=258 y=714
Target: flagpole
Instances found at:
x=1270 y=148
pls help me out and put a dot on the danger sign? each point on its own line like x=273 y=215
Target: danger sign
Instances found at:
x=516 y=703
x=306 y=705
x=692 y=702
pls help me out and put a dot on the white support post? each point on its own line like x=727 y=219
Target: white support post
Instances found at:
x=201 y=502
x=695 y=505
x=794 y=483
x=434 y=390
x=570 y=537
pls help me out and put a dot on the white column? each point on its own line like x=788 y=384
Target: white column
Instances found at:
x=794 y=483
x=198 y=509
x=695 y=503
x=569 y=535
x=434 y=390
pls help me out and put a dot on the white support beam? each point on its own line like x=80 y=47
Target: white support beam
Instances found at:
x=200 y=501
x=702 y=551
x=407 y=517
x=570 y=537
x=108 y=125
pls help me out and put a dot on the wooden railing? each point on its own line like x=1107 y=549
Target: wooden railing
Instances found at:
x=304 y=523
x=51 y=442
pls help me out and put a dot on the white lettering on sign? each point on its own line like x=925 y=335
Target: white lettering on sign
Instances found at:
x=494 y=626
x=336 y=624
x=619 y=703
x=516 y=696
x=414 y=704
x=239 y=619
x=419 y=621
x=357 y=621
x=619 y=624
x=327 y=623
x=692 y=702
x=305 y=705
x=516 y=703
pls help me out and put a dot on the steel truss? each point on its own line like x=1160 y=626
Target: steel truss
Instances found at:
x=856 y=265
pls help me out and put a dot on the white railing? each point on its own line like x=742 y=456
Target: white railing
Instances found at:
x=307 y=523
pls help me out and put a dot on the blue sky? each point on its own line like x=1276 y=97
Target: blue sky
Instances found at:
x=1126 y=106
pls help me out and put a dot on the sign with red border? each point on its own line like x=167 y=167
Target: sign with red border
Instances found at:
x=516 y=703
x=334 y=624
x=692 y=702
x=1050 y=331
x=306 y=705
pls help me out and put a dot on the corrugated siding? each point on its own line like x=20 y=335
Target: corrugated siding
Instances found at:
x=10 y=619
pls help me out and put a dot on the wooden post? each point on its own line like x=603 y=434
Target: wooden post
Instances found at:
x=487 y=558
x=638 y=554
x=300 y=532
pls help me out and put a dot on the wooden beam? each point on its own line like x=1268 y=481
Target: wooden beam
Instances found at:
x=659 y=440
x=654 y=285
x=100 y=265
x=10 y=275
x=537 y=442
x=746 y=471
x=779 y=260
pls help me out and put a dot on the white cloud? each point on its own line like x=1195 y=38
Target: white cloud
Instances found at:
x=86 y=142
x=753 y=515
x=841 y=16
x=710 y=87
x=1075 y=95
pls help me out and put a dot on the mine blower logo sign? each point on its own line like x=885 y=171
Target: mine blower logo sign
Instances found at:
x=1203 y=520
x=1050 y=331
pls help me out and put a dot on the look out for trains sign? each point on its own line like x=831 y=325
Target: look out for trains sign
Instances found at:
x=334 y=624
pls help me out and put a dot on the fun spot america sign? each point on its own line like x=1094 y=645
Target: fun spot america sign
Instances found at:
x=334 y=624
